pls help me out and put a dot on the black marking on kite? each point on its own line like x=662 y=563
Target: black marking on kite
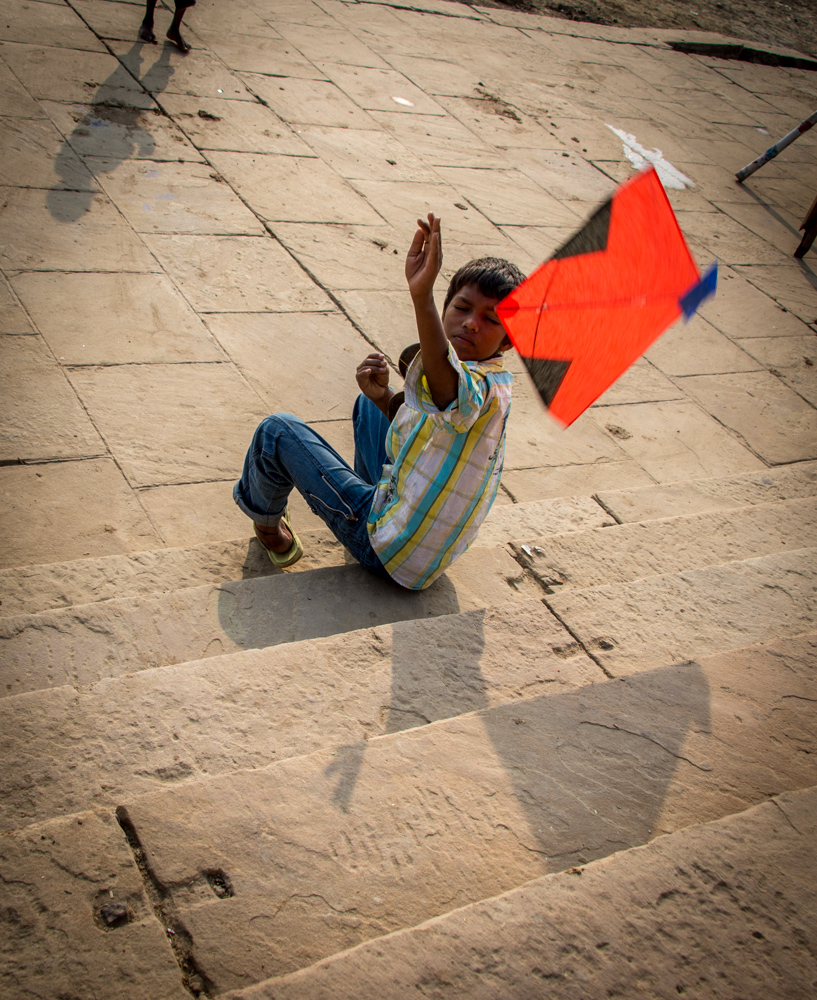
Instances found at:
x=548 y=375
x=591 y=237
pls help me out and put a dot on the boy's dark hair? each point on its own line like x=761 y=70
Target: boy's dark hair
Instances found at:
x=494 y=276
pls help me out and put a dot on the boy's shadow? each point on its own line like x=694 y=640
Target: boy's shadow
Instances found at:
x=109 y=130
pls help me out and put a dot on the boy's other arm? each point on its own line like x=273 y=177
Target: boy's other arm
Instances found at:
x=423 y=264
x=372 y=376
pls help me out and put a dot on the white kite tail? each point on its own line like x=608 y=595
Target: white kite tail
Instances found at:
x=772 y=151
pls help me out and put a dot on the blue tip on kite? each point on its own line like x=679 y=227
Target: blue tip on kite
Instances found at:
x=690 y=301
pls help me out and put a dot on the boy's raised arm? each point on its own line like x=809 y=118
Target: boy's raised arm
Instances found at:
x=423 y=264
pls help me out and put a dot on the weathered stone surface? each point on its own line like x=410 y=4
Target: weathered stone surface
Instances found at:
x=41 y=417
x=308 y=102
x=67 y=74
x=273 y=56
x=118 y=133
x=293 y=188
x=17 y=102
x=31 y=589
x=672 y=618
x=33 y=154
x=526 y=485
x=82 y=644
x=13 y=318
x=175 y=198
x=792 y=359
x=237 y=125
x=90 y=319
x=641 y=383
x=632 y=551
x=730 y=901
x=57 y=877
x=439 y=141
x=347 y=257
x=263 y=344
x=136 y=734
x=783 y=483
x=788 y=286
x=55 y=25
x=165 y=68
x=697 y=348
x=742 y=310
x=329 y=42
x=690 y=444
x=237 y=274
x=179 y=439
x=67 y=231
x=358 y=153
x=329 y=850
x=375 y=89
x=92 y=496
x=386 y=318
x=777 y=423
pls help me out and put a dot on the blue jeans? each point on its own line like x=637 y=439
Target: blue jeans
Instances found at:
x=285 y=453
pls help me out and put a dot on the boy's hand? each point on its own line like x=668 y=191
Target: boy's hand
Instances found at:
x=372 y=376
x=425 y=258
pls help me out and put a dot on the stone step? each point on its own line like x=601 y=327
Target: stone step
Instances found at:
x=317 y=854
x=786 y=482
x=678 y=616
x=31 y=589
x=80 y=645
x=66 y=750
x=628 y=552
x=718 y=909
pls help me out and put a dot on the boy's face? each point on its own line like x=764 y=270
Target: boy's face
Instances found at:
x=472 y=326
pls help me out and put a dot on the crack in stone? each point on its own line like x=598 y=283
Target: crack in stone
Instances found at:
x=650 y=739
x=775 y=802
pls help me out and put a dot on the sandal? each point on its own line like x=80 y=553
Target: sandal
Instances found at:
x=292 y=554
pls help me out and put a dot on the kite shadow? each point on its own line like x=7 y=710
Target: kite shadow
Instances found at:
x=108 y=130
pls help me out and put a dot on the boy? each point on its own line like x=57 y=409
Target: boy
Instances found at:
x=422 y=483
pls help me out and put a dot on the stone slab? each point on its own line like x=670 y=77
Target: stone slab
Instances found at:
x=689 y=444
x=180 y=439
x=698 y=348
x=275 y=57
x=119 y=134
x=632 y=551
x=83 y=644
x=42 y=419
x=526 y=485
x=647 y=919
x=165 y=68
x=264 y=344
x=137 y=734
x=307 y=102
x=672 y=499
x=54 y=25
x=226 y=274
x=348 y=257
x=776 y=423
x=13 y=317
x=777 y=226
x=366 y=153
x=17 y=102
x=91 y=496
x=440 y=141
x=31 y=589
x=385 y=317
x=67 y=74
x=792 y=359
x=327 y=851
x=789 y=286
x=34 y=154
x=293 y=188
x=741 y=310
x=677 y=617
x=509 y=197
x=67 y=231
x=175 y=198
x=375 y=89
x=90 y=319
x=246 y=126
x=57 y=878
x=330 y=43
x=727 y=240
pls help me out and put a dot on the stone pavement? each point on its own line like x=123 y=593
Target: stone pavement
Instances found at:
x=190 y=243
x=302 y=761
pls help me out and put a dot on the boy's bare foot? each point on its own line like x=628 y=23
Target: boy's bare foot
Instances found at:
x=278 y=539
x=175 y=36
x=146 y=34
